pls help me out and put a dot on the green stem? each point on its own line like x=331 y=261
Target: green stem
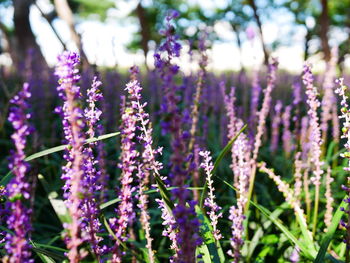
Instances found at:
x=317 y=199
x=251 y=187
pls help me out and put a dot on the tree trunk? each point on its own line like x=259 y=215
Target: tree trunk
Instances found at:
x=307 y=43
x=9 y=46
x=26 y=46
x=239 y=44
x=65 y=13
x=144 y=28
x=324 y=27
x=258 y=21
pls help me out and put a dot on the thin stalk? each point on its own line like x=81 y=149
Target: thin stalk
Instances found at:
x=307 y=195
x=251 y=187
x=317 y=200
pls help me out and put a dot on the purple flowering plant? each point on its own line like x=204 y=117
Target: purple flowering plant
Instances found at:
x=157 y=165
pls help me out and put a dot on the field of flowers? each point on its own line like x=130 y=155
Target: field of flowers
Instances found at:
x=163 y=166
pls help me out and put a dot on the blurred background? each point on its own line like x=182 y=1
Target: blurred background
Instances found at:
x=242 y=33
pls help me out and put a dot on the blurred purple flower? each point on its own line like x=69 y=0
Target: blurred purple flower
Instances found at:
x=18 y=190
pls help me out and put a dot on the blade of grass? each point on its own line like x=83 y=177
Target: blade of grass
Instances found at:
x=62 y=147
x=217 y=162
x=6 y=179
x=210 y=249
x=49 y=255
x=43 y=257
x=330 y=233
x=55 y=149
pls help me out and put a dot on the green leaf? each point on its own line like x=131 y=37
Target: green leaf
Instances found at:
x=6 y=179
x=165 y=194
x=330 y=150
x=58 y=205
x=59 y=148
x=211 y=249
x=45 y=255
x=218 y=161
x=307 y=236
x=60 y=208
x=330 y=233
x=62 y=147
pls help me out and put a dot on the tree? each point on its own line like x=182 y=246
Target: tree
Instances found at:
x=21 y=42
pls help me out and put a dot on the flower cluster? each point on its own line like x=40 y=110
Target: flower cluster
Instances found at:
x=329 y=203
x=262 y=114
x=298 y=175
x=329 y=99
x=90 y=206
x=18 y=190
x=242 y=170
x=197 y=96
x=341 y=91
x=149 y=164
x=287 y=136
x=185 y=216
x=276 y=121
x=73 y=171
x=169 y=49
x=254 y=104
x=128 y=165
x=209 y=202
x=315 y=137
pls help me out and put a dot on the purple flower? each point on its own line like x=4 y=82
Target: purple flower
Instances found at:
x=73 y=171
x=18 y=190
x=315 y=136
x=276 y=122
x=128 y=165
x=262 y=114
x=254 y=104
x=169 y=49
x=90 y=205
x=148 y=163
x=185 y=217
x=345 y=115
x=209 y=202
x=287 y=136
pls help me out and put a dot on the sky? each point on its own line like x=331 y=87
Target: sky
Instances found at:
x=105 y=43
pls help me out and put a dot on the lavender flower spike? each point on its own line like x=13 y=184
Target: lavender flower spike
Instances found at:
x=18 y=189
x=90 y=208
x=345 y=114
x=265 y=108
x=73 y=170
x=128 y=165
x=149 y=163
x=315 y=137
x=214 y=216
